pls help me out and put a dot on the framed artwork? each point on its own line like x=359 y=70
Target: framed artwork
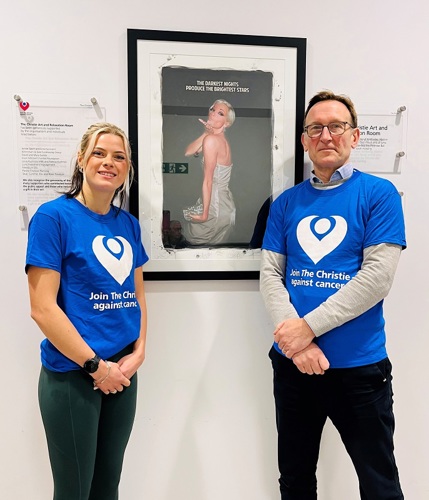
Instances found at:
x=215 y=123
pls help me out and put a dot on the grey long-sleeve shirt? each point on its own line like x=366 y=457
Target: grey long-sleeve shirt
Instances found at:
x=370 y=285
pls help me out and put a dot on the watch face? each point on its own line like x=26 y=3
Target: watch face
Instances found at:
x=91 y=365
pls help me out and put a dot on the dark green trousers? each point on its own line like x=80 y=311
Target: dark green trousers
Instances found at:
x=87 y=433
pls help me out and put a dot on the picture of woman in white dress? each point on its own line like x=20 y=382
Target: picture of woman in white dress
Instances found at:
x=211 y=219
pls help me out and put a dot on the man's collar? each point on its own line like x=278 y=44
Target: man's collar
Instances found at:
x=338 y=177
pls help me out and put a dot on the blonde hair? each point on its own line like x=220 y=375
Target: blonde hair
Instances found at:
x=230 y=117
x=86 y=147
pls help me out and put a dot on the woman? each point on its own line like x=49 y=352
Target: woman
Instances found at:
x=84 y=265
x=213 y=216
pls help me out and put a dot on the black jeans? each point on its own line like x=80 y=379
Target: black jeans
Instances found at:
x=359 y=402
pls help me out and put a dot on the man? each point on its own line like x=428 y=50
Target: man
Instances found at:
x=174 y=238
x=329 y=256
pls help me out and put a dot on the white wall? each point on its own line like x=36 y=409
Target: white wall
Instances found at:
x=205 y=424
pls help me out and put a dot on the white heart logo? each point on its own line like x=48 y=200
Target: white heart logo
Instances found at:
x=115 y=255
x=320 y=238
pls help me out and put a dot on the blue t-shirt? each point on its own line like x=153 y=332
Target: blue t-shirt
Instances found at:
x=323 y=234
x=96 y=256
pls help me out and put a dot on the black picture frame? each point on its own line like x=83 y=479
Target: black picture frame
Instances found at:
x=237 y=59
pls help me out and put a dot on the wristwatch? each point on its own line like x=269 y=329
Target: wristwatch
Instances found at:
x=91 y=365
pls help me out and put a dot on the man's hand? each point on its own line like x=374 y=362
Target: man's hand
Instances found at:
x=311 y=360
x=293 y=335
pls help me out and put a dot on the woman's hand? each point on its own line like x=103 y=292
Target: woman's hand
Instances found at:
x=207 y=126
x=197 y=218
x=196 y=146
x=130 y=363
x=110 y=380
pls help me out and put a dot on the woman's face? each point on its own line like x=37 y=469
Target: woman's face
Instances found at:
x=218 y=115
x=107 y=166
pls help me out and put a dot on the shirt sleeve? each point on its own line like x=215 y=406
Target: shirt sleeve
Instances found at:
x=273 y=290
x=274 y=238
x=386 y=221
x=367 y=288
x=44 y=243
x=141 y=255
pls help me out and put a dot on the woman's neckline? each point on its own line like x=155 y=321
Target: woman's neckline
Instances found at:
x=80 y=198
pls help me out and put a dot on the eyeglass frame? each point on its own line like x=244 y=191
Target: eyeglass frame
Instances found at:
x=327 y=126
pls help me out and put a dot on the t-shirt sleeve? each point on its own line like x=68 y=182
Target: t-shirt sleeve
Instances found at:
x=274 y=239
x=44 y=243
x=386 y=221
x=141 y=257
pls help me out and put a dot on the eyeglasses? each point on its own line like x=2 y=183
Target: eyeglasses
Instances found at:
x=335 y=128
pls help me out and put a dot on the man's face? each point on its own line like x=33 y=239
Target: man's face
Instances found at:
x=176 y=231
x=329 y=152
